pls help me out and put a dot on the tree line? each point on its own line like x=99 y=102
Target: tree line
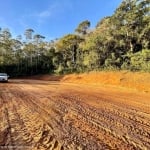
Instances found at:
x=118 y=42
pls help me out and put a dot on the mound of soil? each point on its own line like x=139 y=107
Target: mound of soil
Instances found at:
x=133 y=80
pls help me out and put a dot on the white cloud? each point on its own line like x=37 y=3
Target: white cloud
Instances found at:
x=54 y=10
x=45 y=14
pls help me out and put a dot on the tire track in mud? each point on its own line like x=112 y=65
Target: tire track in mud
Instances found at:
x=6 y=135
x=51 y=118
x=104 y=123
x=26 y=129
x=65 y=120
x=118 y=121
x=15 y=125
x=85 y=115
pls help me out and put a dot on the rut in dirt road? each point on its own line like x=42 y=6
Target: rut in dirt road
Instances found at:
x=40 y=115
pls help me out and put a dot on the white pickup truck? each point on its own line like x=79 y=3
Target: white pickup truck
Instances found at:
x=4 y=77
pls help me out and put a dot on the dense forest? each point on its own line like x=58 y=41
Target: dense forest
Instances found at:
x=118 y=42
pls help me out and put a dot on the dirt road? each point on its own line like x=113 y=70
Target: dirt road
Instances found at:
x=42 y=115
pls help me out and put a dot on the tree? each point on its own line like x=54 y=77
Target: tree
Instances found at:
x=83 y=27
x=28 y=34
x=19 y=37
x=120 y=41
x=68 y=46
x=5 y=34
x=38 y=38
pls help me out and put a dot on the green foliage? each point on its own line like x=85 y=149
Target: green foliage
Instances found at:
x=83 y=27
x=140 y=61
x=67 y=47
x=120 y=41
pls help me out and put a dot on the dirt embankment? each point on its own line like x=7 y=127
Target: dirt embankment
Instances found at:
x=132 y=80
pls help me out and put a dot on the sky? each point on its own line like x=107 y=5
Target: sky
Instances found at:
x=52 y=18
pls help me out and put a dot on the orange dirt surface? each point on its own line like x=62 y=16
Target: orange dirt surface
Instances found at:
x=52 y=115
x=132 y=80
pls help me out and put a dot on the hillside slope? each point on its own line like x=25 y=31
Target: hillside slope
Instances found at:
x=132 y=80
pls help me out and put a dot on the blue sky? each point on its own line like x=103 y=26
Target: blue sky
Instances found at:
x=52 y=18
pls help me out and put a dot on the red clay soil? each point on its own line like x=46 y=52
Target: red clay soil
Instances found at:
x=54 y=115
x=44 y=77
x=132 y=80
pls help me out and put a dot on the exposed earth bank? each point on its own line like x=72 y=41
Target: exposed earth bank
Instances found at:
x=132 y=80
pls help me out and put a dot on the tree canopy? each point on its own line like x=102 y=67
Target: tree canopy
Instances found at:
x=120 y=41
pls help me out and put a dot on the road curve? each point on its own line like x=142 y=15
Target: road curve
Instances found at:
x=43 y=115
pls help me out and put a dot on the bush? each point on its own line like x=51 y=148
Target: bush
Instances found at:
x=140 y=61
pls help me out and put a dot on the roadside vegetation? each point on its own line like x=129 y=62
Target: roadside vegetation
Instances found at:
x=118 y=42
